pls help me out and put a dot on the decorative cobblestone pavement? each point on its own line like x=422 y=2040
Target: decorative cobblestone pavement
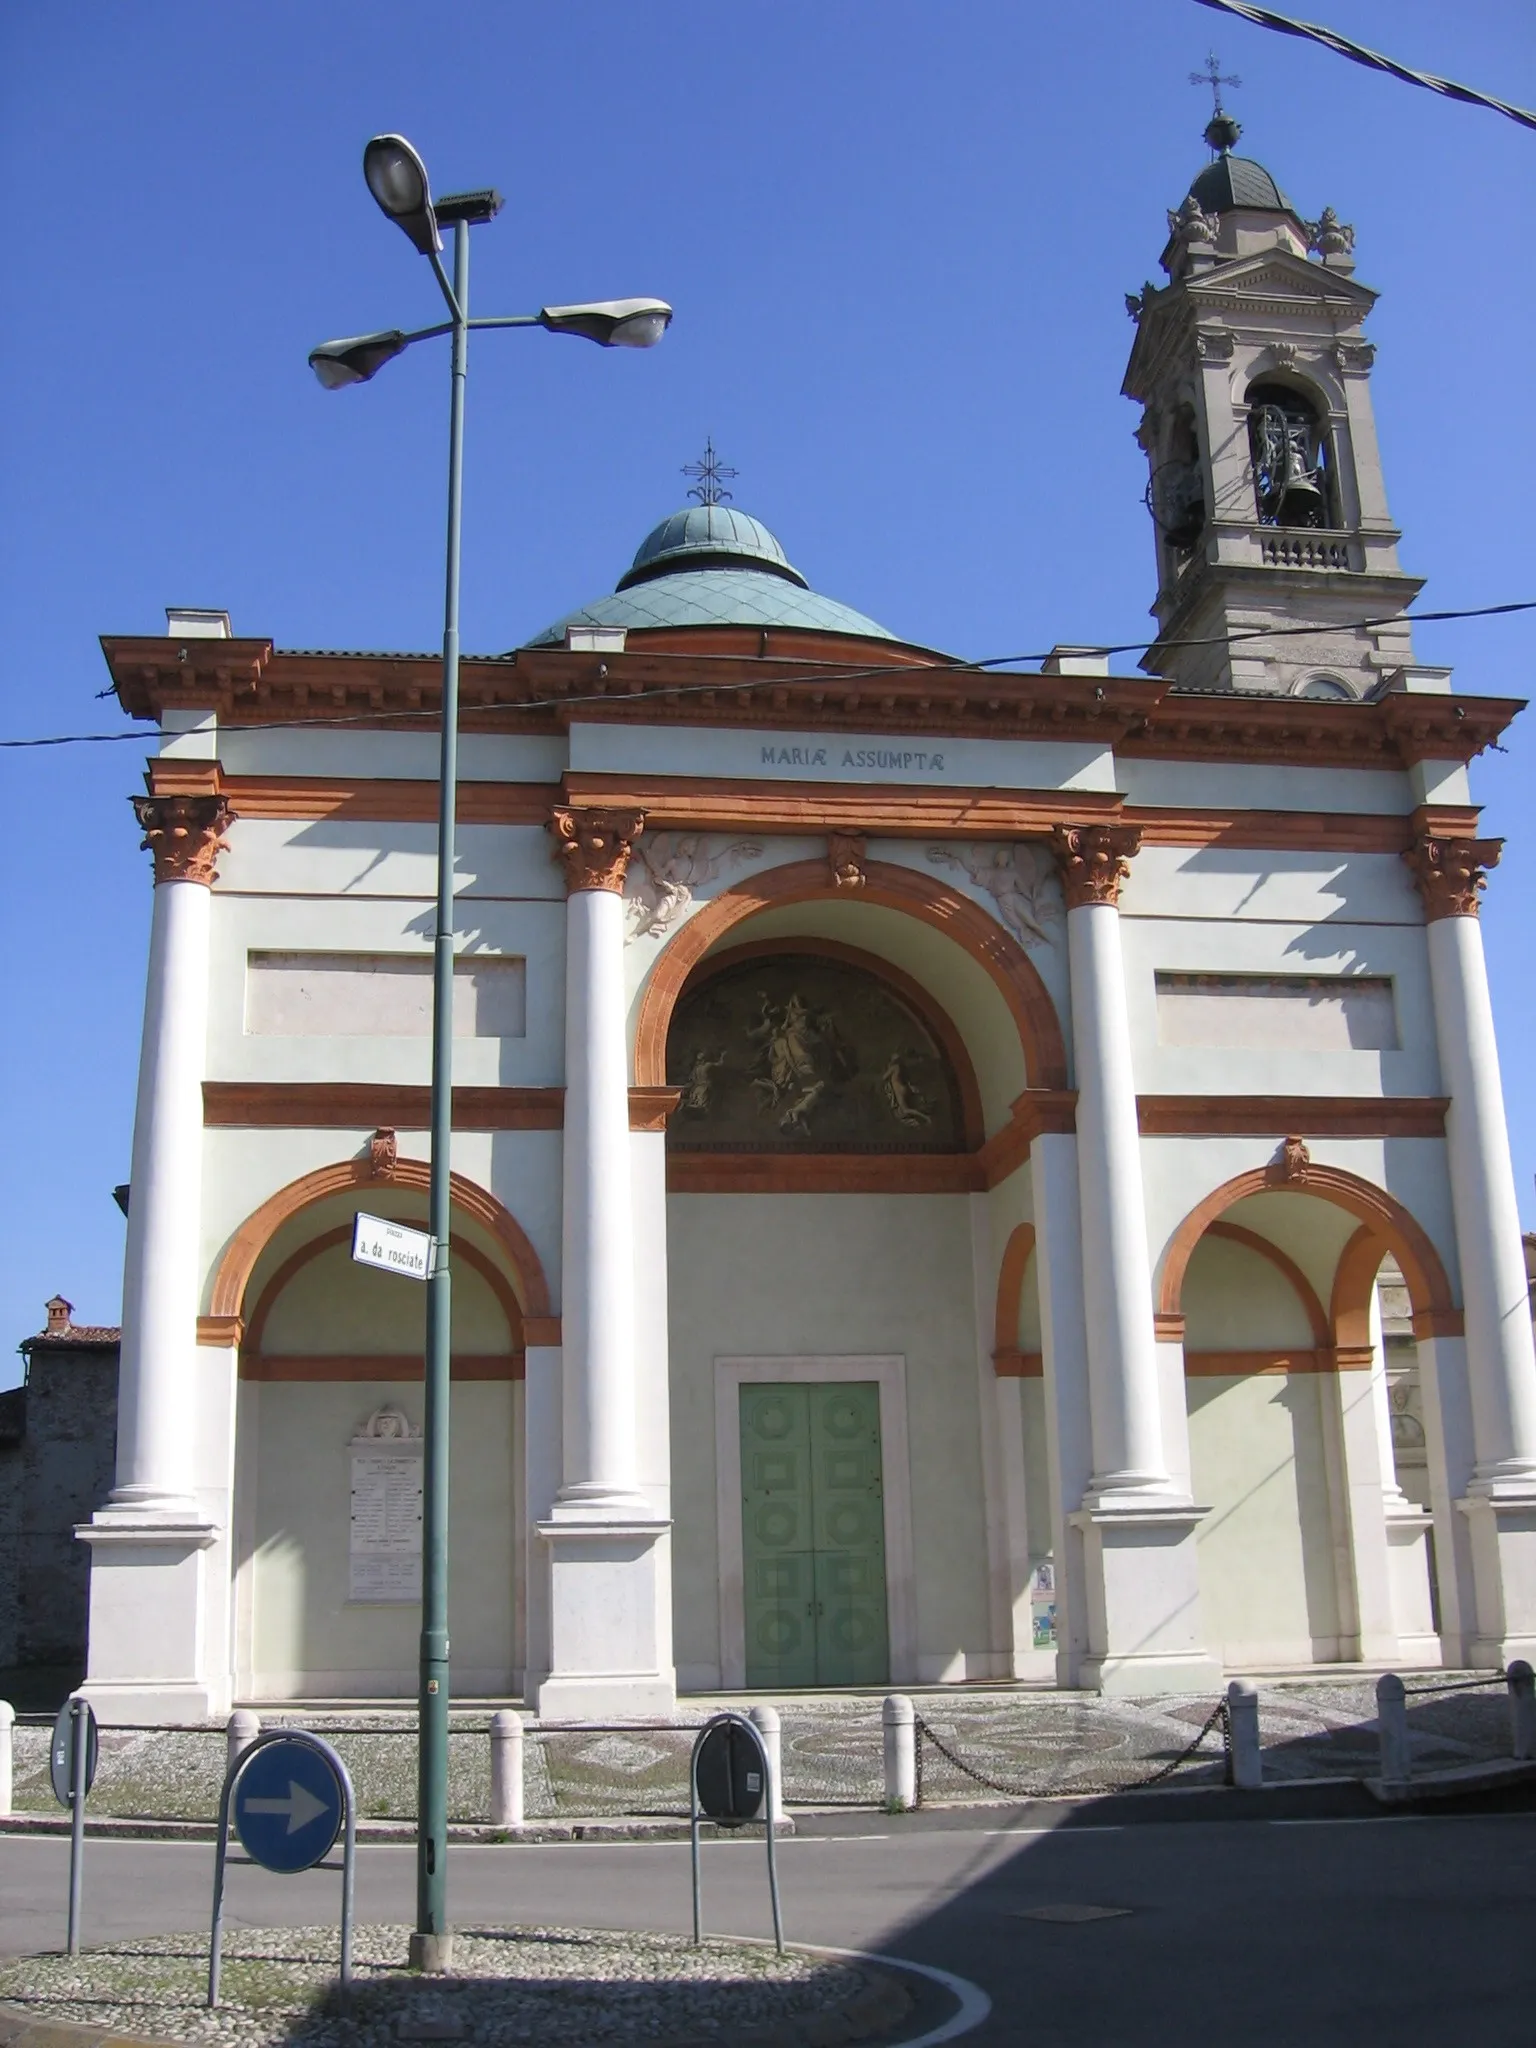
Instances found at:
x=1069 y=1744
x=559 y=1988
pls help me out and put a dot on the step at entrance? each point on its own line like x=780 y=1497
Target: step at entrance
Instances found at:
x=813 y=1535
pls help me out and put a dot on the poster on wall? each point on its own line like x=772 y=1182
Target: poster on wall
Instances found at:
x=1042 y=1605
x=385 y=1548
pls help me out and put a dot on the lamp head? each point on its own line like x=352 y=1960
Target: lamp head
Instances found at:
x=337 y=363
x=397 y=178
x=612 y=323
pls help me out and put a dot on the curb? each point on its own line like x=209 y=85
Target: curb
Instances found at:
x=1505 y=1774
x=117 y=1828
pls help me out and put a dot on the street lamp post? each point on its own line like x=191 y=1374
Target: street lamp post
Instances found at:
x=398 y=180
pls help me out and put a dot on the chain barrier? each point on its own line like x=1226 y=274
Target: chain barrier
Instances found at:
x=1218 y=1717
x=1418 y=1692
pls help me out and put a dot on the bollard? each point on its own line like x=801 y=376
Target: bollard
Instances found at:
x=766 y=1721
x=244 y=1727
x=1243 y=1719
x=1392 y=1719
x=7 y=1724
x=506 y=1769
x=1522 y=1709
x=900 y=1730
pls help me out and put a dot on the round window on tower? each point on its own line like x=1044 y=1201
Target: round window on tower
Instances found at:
x=1323 y=685
x=1292 y=472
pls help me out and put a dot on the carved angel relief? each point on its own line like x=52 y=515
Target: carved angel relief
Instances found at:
x=1020 y=880
x=664 y=873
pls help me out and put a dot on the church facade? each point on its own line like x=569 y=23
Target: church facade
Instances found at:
x=929 y=1144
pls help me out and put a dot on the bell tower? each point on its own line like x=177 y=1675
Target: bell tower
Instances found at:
x=1265 y=483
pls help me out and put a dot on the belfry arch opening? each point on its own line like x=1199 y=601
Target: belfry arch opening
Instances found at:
x=1293 y=463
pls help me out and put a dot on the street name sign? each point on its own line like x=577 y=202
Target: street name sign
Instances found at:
x=391 y=1246
x=289 y=1804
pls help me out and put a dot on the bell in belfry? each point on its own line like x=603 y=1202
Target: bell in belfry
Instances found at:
x=1288 y=489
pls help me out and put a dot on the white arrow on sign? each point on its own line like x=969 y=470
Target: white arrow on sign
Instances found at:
x=300 y=1806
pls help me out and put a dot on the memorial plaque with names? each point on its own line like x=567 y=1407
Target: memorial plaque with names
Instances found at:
x=386 y=1512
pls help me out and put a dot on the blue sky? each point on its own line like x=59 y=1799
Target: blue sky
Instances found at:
x=897 y=237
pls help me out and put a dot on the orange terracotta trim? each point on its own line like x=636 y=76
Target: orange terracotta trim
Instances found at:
x=703 y=803
x=362 y=1105
x=823 y=1173
x=1400 y=1232
x=1242 y=1364
x=368 y=799
x=221 y=1331
x=1275 y=1116
x=926 y=1005
x=1354 y=1282
x=1168 y=1329
x=389 y=1366
x=541 y=1332
x=1301 y=1286
x=649 y=1108
x=1038 y=1112
x=1018 y=1365
x=1276 y=831
x=246 y=1246
x=1447 y=1322
x=1017 y=1253
x=1355 y=1357
x=892 y=887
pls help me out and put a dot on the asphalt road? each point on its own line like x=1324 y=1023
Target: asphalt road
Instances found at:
x=1301 y=1934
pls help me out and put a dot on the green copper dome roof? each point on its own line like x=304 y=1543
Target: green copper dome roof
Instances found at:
x=712 y=534
x=713 y=566
x=1235 y=180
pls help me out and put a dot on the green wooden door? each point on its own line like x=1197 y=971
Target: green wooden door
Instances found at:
x=813 y=1535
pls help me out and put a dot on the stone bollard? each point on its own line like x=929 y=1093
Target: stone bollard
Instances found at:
x=244 y=1727
x=1392 y=1718
x=766 y=1721
x=1522 y=1709
x=900 y=1729
x=1243 y=1720
x=7 y=1724
x=506 y=1769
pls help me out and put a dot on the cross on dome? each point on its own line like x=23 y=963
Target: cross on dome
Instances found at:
x=1213 y=77
x=711 y=472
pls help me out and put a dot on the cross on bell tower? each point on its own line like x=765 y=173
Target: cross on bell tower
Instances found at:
x=1265 y=486
x=1213 y=77
x=711 y=473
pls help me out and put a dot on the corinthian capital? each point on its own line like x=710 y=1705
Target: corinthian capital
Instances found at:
x=1448 y=873
x=595 y=846
x=1094 y=860
x=185 y=834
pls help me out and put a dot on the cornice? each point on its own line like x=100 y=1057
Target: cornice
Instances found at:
x=382 y=1106
x=1140 y=716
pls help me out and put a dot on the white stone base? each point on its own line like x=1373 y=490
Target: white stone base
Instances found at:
x=1144 y=1628
x=1503 y=1528
x=147 y=1658
x=1407 y=1529
x=610 y=1621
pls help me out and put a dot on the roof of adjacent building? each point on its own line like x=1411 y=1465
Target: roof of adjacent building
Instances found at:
x=712 y=565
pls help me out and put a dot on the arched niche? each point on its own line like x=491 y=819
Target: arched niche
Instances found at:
x=977 y=971
x=810 y=1044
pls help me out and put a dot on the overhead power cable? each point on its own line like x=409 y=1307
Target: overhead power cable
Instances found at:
x=829 y=677
x=1312 y=32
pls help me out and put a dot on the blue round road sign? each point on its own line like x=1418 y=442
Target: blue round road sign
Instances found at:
x=289 y=1806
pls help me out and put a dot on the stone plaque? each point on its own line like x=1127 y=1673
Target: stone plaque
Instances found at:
x=385 y=1555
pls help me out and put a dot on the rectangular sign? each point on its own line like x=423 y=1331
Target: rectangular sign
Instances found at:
x=386 y=1521
x=390 y=1246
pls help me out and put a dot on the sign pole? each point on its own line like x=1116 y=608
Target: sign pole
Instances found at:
x=77 y=1761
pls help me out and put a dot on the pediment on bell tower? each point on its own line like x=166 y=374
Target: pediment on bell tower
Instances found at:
x=1277 y=282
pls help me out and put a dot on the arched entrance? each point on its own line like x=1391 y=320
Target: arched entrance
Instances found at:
x=327 y=1551
x=842 y=1057
x=1308 y=1552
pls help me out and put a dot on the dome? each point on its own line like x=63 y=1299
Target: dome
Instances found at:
x=713 y=566
x=713 y=533
x=1234 y=181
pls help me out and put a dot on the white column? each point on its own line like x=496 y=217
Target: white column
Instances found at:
x=1064 y=1345
x=597 y=1258
x=609 y=1606
x=1500 y=1499
x=1144 y=1626
x=147 y=1649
